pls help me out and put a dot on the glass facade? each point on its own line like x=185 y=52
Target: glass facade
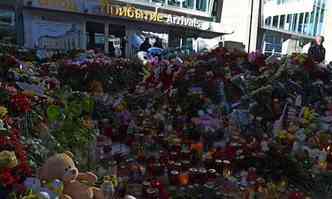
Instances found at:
x=272 y=44
x=302 y=17
x=306 y=23
x=7 y=26
x=195 y=5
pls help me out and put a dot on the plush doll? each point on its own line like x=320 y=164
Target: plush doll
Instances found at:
x=51 y=190
x=76 y=185
x=8 y=160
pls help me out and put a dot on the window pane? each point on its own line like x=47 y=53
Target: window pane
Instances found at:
x=174 y=3
x=294 y=22
x=268 y=21
x=188 y=4
x=275 y=21
x=158 y=1
x=306 y=23
x=6 y=17
x=282 y=22
x=321 y=21
x=316 y=22
x=201 y=5
x=288 y=22
x=300 y=27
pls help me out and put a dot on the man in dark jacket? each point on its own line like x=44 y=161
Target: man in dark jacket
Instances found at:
x=145 y=45
x=317 y=50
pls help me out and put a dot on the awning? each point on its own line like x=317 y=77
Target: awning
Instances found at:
x=212 y=30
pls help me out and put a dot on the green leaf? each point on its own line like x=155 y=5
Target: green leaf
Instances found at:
x=88 y=105
x=53 y=113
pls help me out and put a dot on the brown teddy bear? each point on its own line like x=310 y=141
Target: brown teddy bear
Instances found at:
x=62 y=167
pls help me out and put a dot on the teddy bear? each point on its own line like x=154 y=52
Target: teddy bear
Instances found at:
x=77 y=185
x=8 y=160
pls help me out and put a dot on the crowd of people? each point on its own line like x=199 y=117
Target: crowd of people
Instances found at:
x=145 y=46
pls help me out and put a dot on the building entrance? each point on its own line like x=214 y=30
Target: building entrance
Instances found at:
x=117 y=40
x=95 y=36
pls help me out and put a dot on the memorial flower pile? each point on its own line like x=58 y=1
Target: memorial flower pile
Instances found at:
x=217 y=124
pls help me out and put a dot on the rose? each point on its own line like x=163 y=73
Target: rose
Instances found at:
x=7 y=178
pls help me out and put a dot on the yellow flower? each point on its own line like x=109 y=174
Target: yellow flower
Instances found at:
x=8 y=159
x=3 y=112
x=282 y=135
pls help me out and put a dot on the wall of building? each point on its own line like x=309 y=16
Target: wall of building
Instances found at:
x=236 y=17
x=327 y=32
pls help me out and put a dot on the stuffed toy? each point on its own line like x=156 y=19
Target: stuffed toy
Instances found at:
x=51 y=190
x=76 y=185
x=8 y=160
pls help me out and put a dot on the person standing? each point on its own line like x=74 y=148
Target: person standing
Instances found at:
x=158 y=43
x=111 y=49
x=317 y=50
x=145 y=45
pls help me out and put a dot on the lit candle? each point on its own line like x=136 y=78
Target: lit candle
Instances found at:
x=183 y=179
x=227 y=168
x=323 y=165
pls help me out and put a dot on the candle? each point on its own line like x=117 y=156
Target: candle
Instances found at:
x=227 y=170
x=323 y=165
x=174 y=156
x=193 y=175
x=185 y=154
x=174 y=175
x=183 y=179
x=208 y=162
x=212 y=174
x=202 y=172
x=178 y=166
x=219 y=166
x=185 y=165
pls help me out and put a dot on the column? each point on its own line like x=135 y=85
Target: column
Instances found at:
x=328 y=32
x=84 y=35
x=255 y=25
x=130 y=52
x=174 y=40
x=106 y=35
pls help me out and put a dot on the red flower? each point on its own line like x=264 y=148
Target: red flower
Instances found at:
x=21 y=103
x=108 y=132
x=7 y=179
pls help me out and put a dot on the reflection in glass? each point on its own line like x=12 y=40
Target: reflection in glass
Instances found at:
x=282 y=22
x=288 y=22
x=294 y=22
x=300 y=26
x=174 y=3
x=188 y=4
x=268 y=21
x=306 y=21
x=159 y=1
x=275 y=22
x=316 y=22
x=201 y=5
